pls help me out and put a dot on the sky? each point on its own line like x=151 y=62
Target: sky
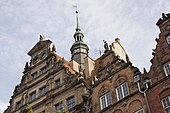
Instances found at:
x=22 y=21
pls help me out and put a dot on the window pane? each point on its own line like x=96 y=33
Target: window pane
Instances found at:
x=102 y=102
x=105 y=100
x=125 y=89
x=109 y=99
x=42 y=90
x=166 y=104
x=57 y=83
x=33 y=76
x=58 y=106
x=70 y=102
x=43 y=70
x=167 y=69
x=140 y=111
x=119 y=93
x=32 y=96
x=167 y=110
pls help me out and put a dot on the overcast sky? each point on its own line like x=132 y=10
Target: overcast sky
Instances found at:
x=22 y=21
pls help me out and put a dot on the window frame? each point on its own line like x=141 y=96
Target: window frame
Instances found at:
x=18 y=105
x=166 y=68
x=139 y=111
x=70 y=102
x=43 y=69
x=60 y=106
x=163 y=104
x=57 y=82
x=31 y=94
x=42 y=90
x=104 y=100
x=34 y=75
x=121 y=91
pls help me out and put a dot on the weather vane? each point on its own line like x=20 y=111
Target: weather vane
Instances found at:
x=75 y=6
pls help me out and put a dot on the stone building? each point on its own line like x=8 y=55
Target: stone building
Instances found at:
x=159 y=73
x=49 y=83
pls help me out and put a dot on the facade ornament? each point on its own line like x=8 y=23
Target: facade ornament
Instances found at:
x=53 y=48
x=26 y=66
x=106 y=47
x=42 y=37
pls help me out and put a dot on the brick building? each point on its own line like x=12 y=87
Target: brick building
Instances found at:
x=114 y=90
x=159 y=73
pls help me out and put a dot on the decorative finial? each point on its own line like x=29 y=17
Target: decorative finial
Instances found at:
x=144 y=71
x=106 y=46
x=77 y=19
x=54 y=48
x=42 y=37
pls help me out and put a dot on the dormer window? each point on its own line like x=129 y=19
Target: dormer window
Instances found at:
x=168 y=39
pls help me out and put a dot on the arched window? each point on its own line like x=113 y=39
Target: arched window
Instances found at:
x=105 y=100
x=166 y=104
x=122 y=91
x=165 y=99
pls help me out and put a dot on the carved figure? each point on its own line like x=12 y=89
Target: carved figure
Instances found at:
x=106 y=45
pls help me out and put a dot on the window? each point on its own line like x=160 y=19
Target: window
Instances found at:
x=18 y=104
x=168 y=39
x=34 y=75
x=32 y=95
x=58 y=107
x=166 y=104
x=43 y=70
x=105 y=100
x=167 y=69
x=57 y=82
x=42 y=90
x=70 y=102
x=139 y=111
x=122 y=91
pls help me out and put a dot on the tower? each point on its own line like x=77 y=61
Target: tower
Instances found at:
x=79 y=49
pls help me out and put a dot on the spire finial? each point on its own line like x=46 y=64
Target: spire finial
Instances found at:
x=77 y=19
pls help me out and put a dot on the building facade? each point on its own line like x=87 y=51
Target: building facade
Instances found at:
x=115 y=91
x=109 y=84
x=159 y=73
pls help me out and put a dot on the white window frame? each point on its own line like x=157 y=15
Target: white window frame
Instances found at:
x=105 y=100
x=121 y=91
x=167 y=107
x=139 y=111
x=167 y=69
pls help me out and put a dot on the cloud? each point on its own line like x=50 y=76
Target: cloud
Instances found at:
x=23 y=21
